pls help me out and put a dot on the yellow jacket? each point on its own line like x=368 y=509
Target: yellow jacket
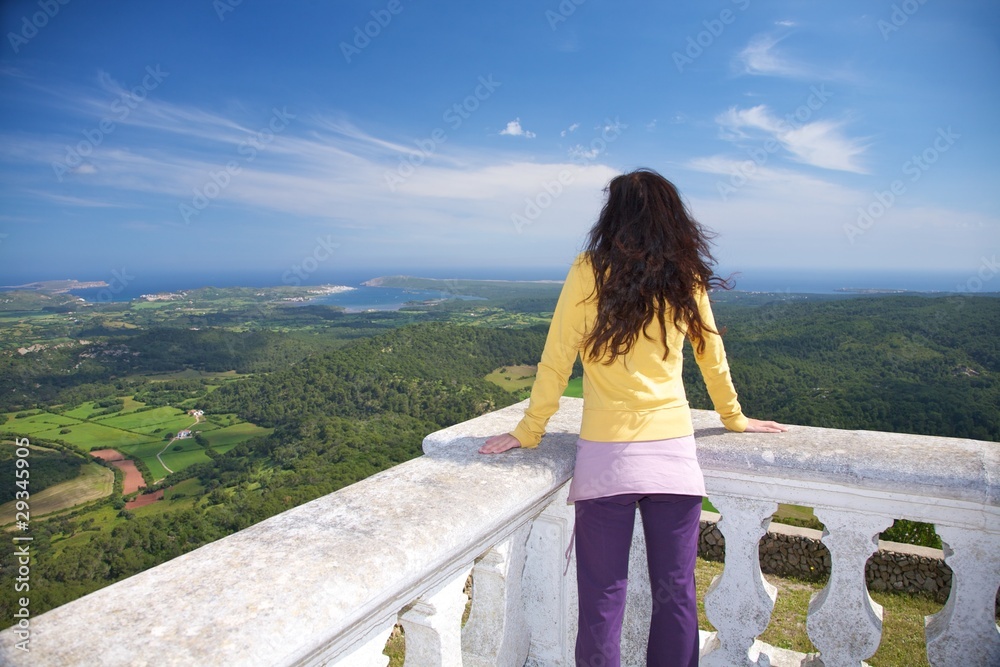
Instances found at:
x=639 y=396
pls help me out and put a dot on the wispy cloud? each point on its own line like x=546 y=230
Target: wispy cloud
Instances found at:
x=820 y=143
x=761 y=57
x=321 y=165
x=570 y=130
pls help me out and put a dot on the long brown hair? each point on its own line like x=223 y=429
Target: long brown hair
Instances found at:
x=649 y=256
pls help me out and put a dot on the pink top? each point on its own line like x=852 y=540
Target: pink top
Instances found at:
x=648 y=467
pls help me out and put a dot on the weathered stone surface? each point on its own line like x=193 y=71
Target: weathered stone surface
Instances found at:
x=940 y=467
x=309 y=581
x=325 y=581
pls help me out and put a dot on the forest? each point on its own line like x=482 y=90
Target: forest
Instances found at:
x=359 y=393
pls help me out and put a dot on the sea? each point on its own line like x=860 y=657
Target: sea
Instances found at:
x=123 y=286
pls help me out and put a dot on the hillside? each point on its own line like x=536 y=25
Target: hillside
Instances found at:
x=312 y=410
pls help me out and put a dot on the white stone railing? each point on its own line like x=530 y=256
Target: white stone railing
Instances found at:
x=325 y=583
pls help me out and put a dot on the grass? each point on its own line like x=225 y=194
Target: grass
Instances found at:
x=82 y=411
x=94 y=482
x=224 y=439
x=105 y=519
x=89 y=435
x=513 y=378
x=795 y=515
x=188 y=488
x=903 y=618
x=181 y=422
x=178 y=497
x=37 y=423
x=190 y=452
x=574 y=388
x=902 y=629
x=137 y=421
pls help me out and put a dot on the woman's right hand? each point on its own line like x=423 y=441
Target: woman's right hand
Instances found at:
x=758 y=426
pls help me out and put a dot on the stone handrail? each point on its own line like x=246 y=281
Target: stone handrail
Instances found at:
x=324 y=583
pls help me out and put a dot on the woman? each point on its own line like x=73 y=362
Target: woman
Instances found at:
x=640 y=287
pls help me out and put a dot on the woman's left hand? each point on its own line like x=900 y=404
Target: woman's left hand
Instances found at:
x=758 y=426
x=499 y=443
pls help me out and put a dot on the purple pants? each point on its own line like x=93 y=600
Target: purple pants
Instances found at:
x=603 y=540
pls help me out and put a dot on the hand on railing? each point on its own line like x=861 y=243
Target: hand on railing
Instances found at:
x=499 y=443
x=758 y=426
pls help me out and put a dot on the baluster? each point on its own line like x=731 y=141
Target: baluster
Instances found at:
x=433 y=625
x=844 y=622
x=549 y=594
x=370 y=653
x=497 y=631
x=740 y=600
x=965 y=632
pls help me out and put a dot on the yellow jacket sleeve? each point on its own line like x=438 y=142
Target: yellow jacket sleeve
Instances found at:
x=715 y=370
x=562 y=345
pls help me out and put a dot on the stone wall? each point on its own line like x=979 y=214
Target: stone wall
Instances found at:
x=798 y=552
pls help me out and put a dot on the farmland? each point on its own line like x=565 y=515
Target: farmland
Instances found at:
x=95 y=481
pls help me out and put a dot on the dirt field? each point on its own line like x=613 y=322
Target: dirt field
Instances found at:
x=133 y=478
x=144 y=499
x=108 y=454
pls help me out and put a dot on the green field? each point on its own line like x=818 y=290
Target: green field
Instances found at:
x=188 y=488
x=190 y=453
x=513 y=378
x=137 y=421
x=224 y=439
x=88 y=436
x=147 y=451
x=82 y=411
x=131 y=405
x=181 y=422
x=105 y=518
x=38 y=423
x=95 y=481
x=219 y=439
x=574 y=388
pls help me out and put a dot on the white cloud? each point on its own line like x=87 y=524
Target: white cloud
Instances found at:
x=578 y=152
x=514 y=129
x=782 y=217
x=454 y=197
x=569 y=130
x=820 y=143
x=760 y=57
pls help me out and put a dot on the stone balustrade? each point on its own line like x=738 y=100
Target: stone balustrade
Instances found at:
x=325 y=583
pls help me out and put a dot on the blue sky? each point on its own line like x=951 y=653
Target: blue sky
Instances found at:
x=460 y=138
